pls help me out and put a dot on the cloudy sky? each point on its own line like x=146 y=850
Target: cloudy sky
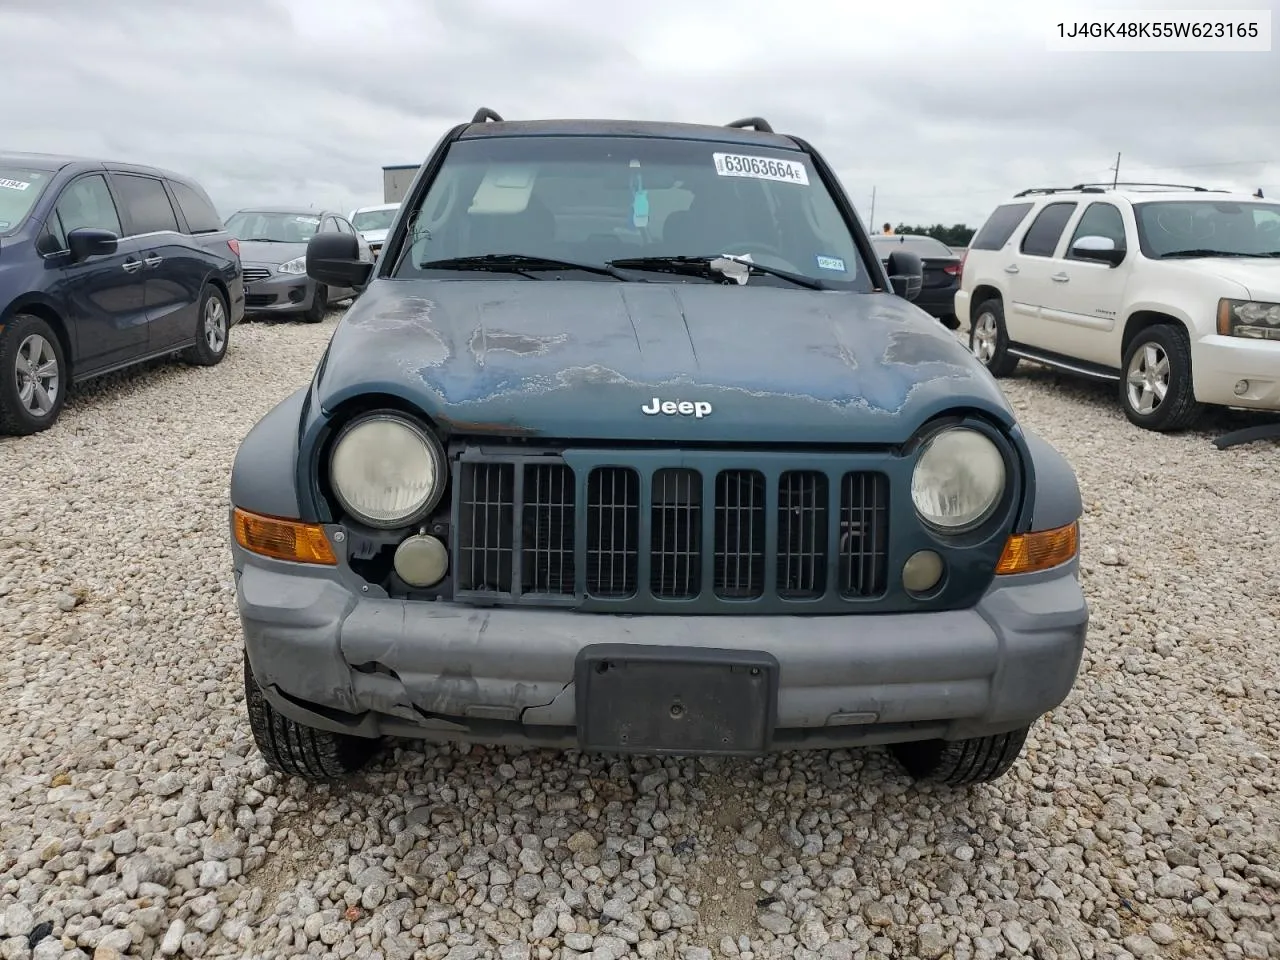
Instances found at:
x=943 y=107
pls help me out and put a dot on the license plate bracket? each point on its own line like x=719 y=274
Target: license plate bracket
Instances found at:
x=672 y=701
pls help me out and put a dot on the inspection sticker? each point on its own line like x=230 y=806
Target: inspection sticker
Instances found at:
x=14 y=184
x=831 y=263
x=760 y=168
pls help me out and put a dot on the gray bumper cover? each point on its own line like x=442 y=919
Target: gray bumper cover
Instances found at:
x=334 y=659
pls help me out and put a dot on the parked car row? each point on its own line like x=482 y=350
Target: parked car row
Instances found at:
x=1170 y=292
x=104 y=265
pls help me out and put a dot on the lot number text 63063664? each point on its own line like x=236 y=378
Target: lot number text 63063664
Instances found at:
x=761 y=168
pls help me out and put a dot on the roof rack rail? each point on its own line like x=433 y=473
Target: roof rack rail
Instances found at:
x=1078 y=189
x=752 y=123
x=1140 y=183
x=483 y=114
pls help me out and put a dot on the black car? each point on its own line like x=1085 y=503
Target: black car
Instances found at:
x=104 y=265
x=941 y=272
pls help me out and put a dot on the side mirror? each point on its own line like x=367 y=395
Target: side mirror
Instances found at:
x=86 y=242
x=334 y=260
x=906 y=274
x=1098 y=249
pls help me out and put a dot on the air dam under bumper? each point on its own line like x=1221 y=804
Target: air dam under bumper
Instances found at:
x=330 y=658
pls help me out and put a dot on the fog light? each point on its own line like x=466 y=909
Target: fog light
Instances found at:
x=421 y=561
x=922 y=571
x=1242 y=387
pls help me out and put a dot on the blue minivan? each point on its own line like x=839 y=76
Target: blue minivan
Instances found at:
x=102 y=266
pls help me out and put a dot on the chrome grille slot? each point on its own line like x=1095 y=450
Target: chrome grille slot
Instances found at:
x=255 y=274
x=739 y=543
x=802 y=534
x=613 y=532
x=547 y=535
x=864 y=534
x=486 y=526
x=676 y=534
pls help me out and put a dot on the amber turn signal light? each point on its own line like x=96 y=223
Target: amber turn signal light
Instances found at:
x=1040 y=550
x=283 y=539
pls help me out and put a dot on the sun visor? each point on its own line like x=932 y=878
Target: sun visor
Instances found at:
x=505 y=189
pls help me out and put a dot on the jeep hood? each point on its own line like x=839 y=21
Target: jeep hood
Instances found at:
x=580 y=359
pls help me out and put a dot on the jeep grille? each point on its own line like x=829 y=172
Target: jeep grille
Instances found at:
x=528 y=529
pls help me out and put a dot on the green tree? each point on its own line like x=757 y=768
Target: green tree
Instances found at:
x=956 y=235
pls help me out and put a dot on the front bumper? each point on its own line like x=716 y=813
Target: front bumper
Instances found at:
x=331 y=658
x=1219 y=363
x=279 y=293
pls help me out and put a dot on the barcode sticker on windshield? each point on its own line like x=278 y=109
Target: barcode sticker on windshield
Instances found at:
x=14 y=184
x=761 y=168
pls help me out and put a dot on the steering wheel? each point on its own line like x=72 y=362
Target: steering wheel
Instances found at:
x=738 y=249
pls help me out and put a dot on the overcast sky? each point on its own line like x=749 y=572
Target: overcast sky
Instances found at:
x=944 y=107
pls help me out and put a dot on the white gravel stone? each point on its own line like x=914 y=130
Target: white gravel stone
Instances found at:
x=138 y=818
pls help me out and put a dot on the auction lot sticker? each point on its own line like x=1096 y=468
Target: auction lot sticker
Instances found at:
x=14 y=184
x=760 y=168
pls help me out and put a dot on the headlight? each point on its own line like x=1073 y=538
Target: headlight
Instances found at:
x=386 y=470
x=958 y=480
x=1254 y=319
x=294 y=266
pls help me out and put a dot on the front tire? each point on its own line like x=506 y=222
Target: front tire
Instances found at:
x=960 y=763
x=213 y=332
x=989 y=340
x=33 y=376
x=1156 y=391
x=296 y=749
x=319 y=304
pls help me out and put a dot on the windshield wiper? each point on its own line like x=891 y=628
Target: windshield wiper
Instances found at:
x=1209 y=253
x=517 y=263
x=260 y=240
x=706 y=266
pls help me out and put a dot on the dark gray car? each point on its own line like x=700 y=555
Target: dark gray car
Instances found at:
x=273 y=252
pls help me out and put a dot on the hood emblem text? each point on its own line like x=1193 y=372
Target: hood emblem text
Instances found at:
x=684 y=408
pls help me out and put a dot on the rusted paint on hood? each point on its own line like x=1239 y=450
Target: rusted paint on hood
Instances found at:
x=578 y=359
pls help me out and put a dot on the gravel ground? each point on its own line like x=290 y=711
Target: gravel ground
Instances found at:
x=137 y=819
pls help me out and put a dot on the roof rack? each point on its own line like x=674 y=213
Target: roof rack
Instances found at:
x=483 y=114
x=1078 y=189
x=1140 y=183
x=752 y=123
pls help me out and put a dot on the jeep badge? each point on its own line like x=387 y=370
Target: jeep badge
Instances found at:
x=684 y=408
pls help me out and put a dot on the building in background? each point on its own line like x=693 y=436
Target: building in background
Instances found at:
x=396 y=180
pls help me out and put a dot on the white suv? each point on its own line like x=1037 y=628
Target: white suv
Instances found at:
x=1171 y=292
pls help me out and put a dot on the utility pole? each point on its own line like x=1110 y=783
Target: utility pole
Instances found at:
x=872 y=223
x=1116 y=180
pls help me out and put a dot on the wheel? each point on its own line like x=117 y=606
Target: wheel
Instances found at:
x=1156 y=391
x=959 y=763
x=213 y=331
x=989 y=341
x=319 y=304
x=33 y=376
x=296 y=749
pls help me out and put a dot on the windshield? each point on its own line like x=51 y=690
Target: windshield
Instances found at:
x=1225 y=227
x=591 y=199
x=374 y=219
x=273 y=227
x=19 y=190
x=920 y=246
